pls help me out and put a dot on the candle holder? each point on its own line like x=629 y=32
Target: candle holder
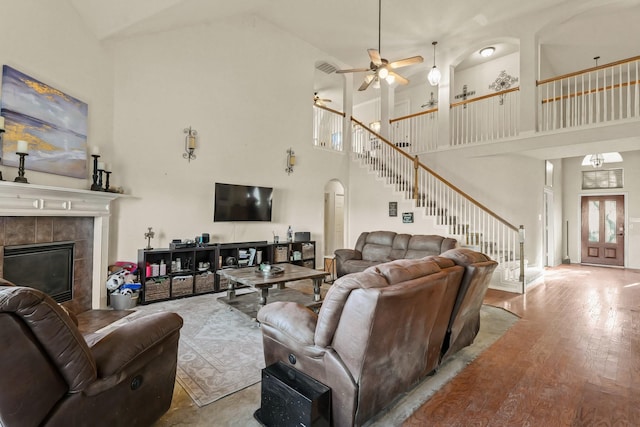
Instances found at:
x=100 y=179
x=20 y=177
x=1 y=132
x=95 y=186
x=106 y=182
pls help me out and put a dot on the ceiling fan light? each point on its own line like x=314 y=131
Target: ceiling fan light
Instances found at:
x=487 y=51
x=390 y=79
x=376 y=84
x=434 y=76
x=383 y=72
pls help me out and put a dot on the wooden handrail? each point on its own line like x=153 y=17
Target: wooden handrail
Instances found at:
x=410 y=116
x=587 y=70
x=330 y=110
x=600 y=89
x=437 y=176
x=480 y=98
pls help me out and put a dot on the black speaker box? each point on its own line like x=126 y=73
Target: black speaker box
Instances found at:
x=301 y=236
x=292 y=398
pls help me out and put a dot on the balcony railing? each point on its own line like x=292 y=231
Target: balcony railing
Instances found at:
x=469 y=221
x=485 y=118
x=596 y=95
x=327 y=128
x=416 y=133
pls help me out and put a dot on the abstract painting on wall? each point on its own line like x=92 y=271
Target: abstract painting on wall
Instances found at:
x=53 y=123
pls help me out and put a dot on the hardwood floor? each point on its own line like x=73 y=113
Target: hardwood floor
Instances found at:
x=572 y=360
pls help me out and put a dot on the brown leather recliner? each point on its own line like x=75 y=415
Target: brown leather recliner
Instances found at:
x=377 y=334
x=377 y=247
x=465 y=317
x=52 y=377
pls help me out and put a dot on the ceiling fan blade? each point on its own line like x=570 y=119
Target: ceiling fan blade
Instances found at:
x=353 y=70
x=407 y=61
x=374 y=55
x=367 y=81
x=399 y=78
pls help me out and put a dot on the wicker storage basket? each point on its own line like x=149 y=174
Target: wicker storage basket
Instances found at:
x=181 y=285
x=205 y=282
x=281 y=254
x=155 y=289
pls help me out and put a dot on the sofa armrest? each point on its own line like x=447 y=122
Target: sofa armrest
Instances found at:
x=295 y=321
x=343 y=255
x=131 y=341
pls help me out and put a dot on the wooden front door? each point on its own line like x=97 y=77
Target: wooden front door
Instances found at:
x=603 y=230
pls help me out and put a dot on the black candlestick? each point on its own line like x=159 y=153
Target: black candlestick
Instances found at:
x=106 y=183
x=1 y=132
x=20 y=177
x=100 y=179
x=95 y=186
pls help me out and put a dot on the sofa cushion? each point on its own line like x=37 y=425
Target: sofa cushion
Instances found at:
x=333 y=303
x=403 y=270
x=420 y=246
x=400 y=246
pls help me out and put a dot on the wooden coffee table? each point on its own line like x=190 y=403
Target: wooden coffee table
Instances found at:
x=279 y=275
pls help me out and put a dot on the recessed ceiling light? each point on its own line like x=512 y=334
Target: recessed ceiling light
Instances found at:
x=487 y=51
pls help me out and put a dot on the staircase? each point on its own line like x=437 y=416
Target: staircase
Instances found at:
x=455 y=213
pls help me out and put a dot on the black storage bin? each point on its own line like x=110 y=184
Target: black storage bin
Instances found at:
x=292 y=398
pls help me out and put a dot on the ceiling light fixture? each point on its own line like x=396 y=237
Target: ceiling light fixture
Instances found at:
x=487 y=51
x=597 y=160
x=435 y=74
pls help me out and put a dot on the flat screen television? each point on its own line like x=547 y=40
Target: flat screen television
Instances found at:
x=242 y=203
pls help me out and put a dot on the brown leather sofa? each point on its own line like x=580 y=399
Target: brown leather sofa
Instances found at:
x=52 y=377
x=376 y=247
x=380 y=331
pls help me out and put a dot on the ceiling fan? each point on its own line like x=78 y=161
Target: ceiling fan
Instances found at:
x=319 y=101
x=382 y=68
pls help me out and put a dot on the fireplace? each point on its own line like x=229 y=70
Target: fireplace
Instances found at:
x=47 y=267
x=39 y=215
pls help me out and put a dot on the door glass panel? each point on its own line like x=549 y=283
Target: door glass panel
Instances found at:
x=610 y=221
x=594 y=223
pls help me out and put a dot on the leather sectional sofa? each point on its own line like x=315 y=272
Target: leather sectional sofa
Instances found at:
x=376 y=247
x=381 y=331
x=53 y=377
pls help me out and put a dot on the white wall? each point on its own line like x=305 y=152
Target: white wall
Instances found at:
x=247 y=88
x=480 y=77
x=572 y=188
x=47 y=41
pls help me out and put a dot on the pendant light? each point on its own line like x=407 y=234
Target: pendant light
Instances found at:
x=434 y=74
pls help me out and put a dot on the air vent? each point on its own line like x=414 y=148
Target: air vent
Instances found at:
x=326 y=67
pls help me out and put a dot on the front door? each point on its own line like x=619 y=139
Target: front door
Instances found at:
x=603 y=230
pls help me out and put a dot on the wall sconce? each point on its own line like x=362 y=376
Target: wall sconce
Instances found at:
x=189 y=144
x=291 y=161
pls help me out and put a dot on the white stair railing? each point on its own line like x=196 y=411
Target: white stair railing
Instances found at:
x=327 y=128
x=466 y=219
x=416 y=133
x=596 y=95
x=486 y=118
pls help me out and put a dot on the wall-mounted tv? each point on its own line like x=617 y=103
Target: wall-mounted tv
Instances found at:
x=242 y=203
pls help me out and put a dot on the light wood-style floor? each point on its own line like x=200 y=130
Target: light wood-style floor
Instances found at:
x=572 y=360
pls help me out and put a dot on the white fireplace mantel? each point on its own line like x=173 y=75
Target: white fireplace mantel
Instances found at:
x=17 y=199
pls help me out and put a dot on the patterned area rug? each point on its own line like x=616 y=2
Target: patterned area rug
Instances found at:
x=220 y=350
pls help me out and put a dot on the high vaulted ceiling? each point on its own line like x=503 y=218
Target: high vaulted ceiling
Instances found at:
x=344 y=29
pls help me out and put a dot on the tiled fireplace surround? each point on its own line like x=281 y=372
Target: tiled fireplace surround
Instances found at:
x=39 y=214
x=49 y=229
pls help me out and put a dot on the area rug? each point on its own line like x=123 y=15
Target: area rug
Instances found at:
x=220 y=349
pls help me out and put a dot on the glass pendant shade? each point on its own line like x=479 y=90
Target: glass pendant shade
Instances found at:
x=434 y=76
